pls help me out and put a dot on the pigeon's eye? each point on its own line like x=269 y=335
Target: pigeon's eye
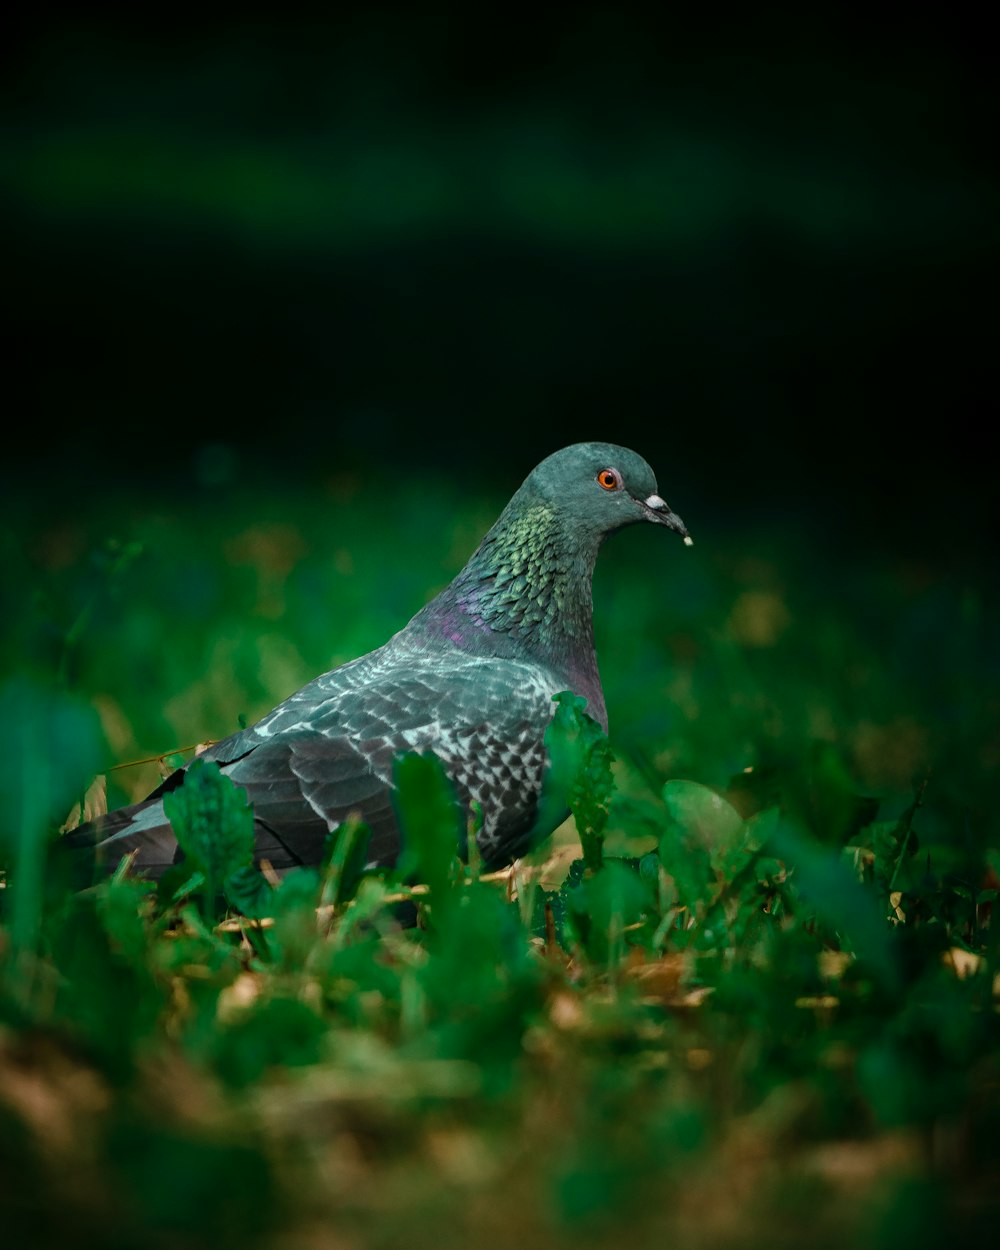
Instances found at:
x=610 y=479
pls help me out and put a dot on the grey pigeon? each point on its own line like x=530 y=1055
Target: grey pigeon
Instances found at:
x=471 y=678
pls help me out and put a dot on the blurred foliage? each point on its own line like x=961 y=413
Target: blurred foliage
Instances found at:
x=306 y=289
x=754 y=1000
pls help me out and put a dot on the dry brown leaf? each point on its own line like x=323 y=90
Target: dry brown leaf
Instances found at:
x=662 y=977
x=859 y=1163
x=242 y=993
x=964 y=963
x=462 y=1156
x=93 y=804
x=49 y=1092
x=833 y=964
x=565 y=1011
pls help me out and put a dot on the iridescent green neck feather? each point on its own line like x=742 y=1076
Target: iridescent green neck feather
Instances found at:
x=530 y=582
x=531 y=579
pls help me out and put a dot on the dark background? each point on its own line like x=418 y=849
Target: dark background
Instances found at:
x=420 y=241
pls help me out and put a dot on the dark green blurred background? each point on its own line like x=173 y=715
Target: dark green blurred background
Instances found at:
x=420 y=240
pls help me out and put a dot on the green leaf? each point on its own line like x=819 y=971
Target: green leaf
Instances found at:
x=430 y=823
x=697 y=820
x=50 y=748
x=579 y=775
x=344 y=854
x=213 y=823
x=277 y=1032
x=105 y=993
x=555 y=902
x=649 y=867
x=179 y=882
x=826 y=801
x=293 y=906
x=699 y=814
x=828 y=885
x=249 y=892
x=600 y=907
x=120 y=908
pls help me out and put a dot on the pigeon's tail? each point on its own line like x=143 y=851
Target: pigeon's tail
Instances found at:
x=141 y=831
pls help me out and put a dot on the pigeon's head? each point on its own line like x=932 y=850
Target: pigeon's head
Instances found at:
x=603 y=487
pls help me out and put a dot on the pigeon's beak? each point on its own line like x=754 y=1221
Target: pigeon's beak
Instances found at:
x=658 y=511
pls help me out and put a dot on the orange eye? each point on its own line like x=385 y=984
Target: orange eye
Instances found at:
x=610 y=479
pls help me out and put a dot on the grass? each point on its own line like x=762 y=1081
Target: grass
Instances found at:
x=755 y=1005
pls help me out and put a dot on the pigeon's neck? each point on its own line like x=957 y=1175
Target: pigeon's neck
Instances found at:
x=528 y=590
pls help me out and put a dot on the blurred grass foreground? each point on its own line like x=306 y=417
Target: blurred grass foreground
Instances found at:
x=748 y=998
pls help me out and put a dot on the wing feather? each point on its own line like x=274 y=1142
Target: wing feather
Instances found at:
x=327 y=752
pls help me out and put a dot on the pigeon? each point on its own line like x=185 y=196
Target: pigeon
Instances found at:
x=472 y=678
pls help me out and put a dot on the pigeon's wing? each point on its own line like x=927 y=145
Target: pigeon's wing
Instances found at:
x=327 y=753
x=485 y=720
